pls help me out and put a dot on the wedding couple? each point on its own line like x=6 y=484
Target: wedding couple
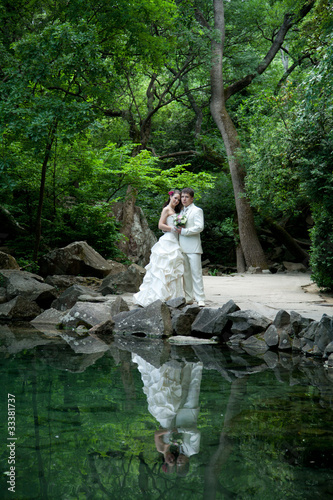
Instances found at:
x=174 y=269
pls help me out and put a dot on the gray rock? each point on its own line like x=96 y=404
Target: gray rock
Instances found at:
x=298 y=323
x=324 y=333
x=214 y=321
x=28 y=285
x=310 y=332
x=182 y=319
x=141 y=237
x=70 y=296
x=328 y=350
x=3 y=295
x=49 y=317
x=8 y=261
x=125 y=281
x=176 y=303
x=20 y=308
x=248 y=322
x=87 y=314
x=282 y=319
x=152 y=321
x=78 y=258
x=271 y=336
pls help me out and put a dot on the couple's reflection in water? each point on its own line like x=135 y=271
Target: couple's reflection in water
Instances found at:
x=172 y=392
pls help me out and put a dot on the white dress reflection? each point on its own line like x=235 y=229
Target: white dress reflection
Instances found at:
x=173 y=399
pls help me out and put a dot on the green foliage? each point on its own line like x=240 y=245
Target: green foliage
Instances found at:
x=81 y=221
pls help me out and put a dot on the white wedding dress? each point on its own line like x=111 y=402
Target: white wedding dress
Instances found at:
x=164 y=273
x=173 y=398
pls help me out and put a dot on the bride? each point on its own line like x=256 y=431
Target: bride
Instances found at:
x=164 y=273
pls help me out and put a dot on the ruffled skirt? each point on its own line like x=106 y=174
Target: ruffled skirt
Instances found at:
x=164 y=273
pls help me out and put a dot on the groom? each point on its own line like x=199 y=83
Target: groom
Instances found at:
x=190 y=243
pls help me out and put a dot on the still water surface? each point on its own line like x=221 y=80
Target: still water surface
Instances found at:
x=96 y=420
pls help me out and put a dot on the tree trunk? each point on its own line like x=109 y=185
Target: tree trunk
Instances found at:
x=251 y=247
x=42 y=190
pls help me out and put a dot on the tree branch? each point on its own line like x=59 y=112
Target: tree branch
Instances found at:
x=288 y=22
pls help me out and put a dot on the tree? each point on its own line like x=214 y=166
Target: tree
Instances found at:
x=251 y=247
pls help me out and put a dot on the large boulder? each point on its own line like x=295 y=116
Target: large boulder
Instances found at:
x=28 y=285
x=211 y=322
x=20 y=309
x=248 y=322
x=78 y=258
x=70 y=296
x=87 y=314
x=152 y=321
x=7 y=261
x=128 y=280
x=141 y=237
x=182 y=319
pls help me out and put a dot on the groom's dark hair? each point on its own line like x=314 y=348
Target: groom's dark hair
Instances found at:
x=188 y=191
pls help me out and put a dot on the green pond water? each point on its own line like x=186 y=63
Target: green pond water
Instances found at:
x=81 y=428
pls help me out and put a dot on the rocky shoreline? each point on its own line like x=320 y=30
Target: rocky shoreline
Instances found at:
x=97 y=307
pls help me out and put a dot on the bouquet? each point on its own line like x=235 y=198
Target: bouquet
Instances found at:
x=180 y=220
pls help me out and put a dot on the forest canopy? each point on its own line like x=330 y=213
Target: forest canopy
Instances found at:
x=104 y=102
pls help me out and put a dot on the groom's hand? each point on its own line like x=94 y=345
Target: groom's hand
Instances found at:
x=179 y=230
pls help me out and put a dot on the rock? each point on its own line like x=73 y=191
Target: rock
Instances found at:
x=254 y=345
x=271 y=336
x=3 y=295
x=62 y=282
x=175 y=303
x=211 y=322
x=282 y=319
x=87 y=314
x=78 y=258
x=8 y=262
x=188 y=340
x=125 y=281
x=152 y=321
x=182 y=319
x=49 y=317
x=141 y=237
x=298 y=323
x=28 y=285
x=294 y=267
x=20 y=308
x=324 y=333
x=248 y=322
x=70 y=296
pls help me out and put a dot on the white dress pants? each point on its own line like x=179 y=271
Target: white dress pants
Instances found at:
x=193 y=282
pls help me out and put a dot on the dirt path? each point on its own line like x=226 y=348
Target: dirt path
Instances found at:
x=268 y=293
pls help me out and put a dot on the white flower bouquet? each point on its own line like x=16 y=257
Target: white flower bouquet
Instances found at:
x=180 y=220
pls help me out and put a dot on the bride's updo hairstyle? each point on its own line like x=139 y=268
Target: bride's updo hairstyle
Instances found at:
x=171 y=193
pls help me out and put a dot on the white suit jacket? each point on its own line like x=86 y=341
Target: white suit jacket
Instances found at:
x=189 y=238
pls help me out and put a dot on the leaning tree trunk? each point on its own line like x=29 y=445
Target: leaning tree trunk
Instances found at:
x=252 y=250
